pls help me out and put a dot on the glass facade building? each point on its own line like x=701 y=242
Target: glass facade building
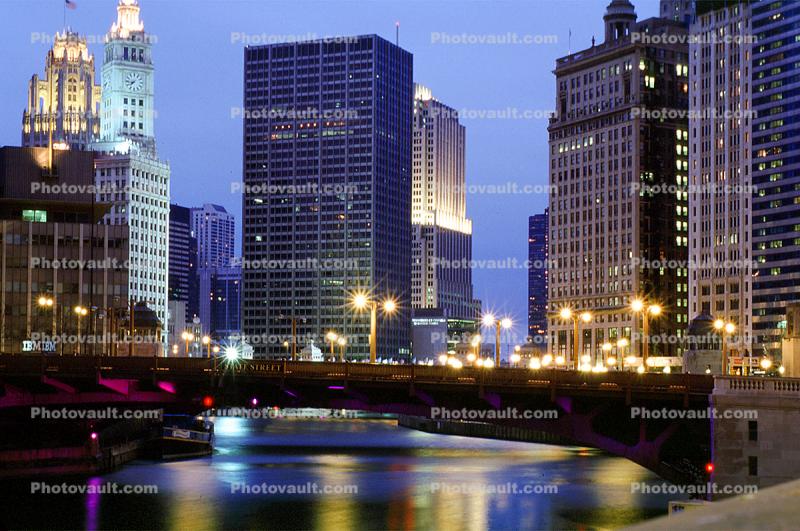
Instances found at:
x=776 y=169
x=327 y=198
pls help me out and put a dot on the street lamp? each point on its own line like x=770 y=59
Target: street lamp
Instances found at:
x=606 y=348
x=621 y=344
x=332 y=337
x=724 y=329
x=567 y=314
x=476 y=344
x=489 y=320
x=361 y=301
x=207 y=342
x=342 y=341
x=80 y=311
x=766 y=363
x=187 y=337
x=647 y=310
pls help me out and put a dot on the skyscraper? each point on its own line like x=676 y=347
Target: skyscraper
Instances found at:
x=327 y=200
x=441 y=274
x=618 y=175
x=182 y=259
x=66 y=101
x=776 y=170
x=720 y=278
x=128 y=173
x=214 y=229
x=537 y=276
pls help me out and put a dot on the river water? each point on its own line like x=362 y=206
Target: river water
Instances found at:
x=349 y=474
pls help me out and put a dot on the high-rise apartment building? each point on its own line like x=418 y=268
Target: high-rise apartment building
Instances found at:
x=776 y=170
x=441 y=276
x=538 y=232
x=128 y=173
x=327 y=200
x=618 y=175
x=720 y=127
x=214 y=227
x=63 y=107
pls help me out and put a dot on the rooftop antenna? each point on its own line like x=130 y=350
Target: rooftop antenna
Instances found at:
x=397 y=33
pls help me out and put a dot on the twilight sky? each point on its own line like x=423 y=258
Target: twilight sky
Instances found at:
x=198 y=59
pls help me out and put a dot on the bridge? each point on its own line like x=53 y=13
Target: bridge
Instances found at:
x=582 y=408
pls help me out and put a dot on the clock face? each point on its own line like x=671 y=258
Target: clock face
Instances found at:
x=134 y=81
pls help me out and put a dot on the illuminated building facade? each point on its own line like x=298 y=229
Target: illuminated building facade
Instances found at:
x=618 y=175
x=66 y=102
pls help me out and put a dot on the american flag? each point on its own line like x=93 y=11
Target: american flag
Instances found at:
x=70 y=4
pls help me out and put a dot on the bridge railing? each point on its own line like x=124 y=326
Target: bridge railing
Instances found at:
x=500 y=376
x=740 y=385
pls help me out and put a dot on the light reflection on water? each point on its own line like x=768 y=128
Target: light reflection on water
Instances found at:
x=405 y=479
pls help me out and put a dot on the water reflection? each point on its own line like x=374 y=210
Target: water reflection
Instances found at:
x=403 y=479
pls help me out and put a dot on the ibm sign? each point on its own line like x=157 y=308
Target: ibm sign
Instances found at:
x=30 y=345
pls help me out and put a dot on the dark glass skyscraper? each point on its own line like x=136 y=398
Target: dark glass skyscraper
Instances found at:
x=776 y=169
x=327 y=199
x=537 y=275
x=182 y=257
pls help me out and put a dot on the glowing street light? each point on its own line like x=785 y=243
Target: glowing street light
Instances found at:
x=766 y=363
x=332 y=336
x=187 y=337
x=342 y=341
x=231 y=353
x=45 y=302
x=80 y=311
x=361 y=301
x=206 y=340
x=585 y=317
x=647 y=310
x=724 y=329
x=489 y=320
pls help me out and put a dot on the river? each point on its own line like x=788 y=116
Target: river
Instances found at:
x=349 y=474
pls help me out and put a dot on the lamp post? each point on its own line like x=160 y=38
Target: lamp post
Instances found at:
x=207 y=342
x=80 y=311
x=621 y=344
x=187 y=337
x=331 y=336
x=342 y=341
x=640 y=306
x=609 y=359
x=724 y=329
x=361 y=301
x=567 y=314
x=476 y=344
x=286 y=346
x=488 y=321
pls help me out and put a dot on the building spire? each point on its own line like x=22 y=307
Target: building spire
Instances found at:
x=619 y=18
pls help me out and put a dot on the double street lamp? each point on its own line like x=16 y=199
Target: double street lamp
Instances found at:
x=639 y=306
x=488 y=321
x=361 y=301
x=585 y=317
x=187 y=337
x=724 y=329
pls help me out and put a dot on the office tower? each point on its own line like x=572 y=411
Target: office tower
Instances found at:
x=682 y=11
x=214 y=229
x=720 y=278
x=537 y=276
x=66 y=102
x=327 y=200
x=182 y=262
x=441 y=272
x=54 y=256
x=618 y=175
x=226 y=292
x=128 y=173
x=776 y=173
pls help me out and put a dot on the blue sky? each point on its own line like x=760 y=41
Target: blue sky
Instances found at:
x=198 y=58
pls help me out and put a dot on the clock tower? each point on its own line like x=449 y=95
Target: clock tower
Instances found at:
x=127 y=106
